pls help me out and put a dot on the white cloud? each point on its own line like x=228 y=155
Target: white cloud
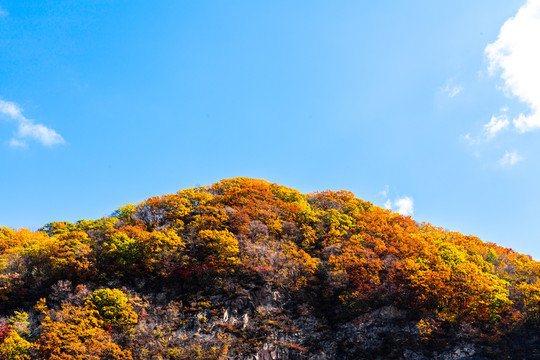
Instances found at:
x=10 y=109
x=39 y=132
x=510 y=158
x=405 y=206
x=27 y=128
x=516 y=55
x=3 y=12
x=495 y=125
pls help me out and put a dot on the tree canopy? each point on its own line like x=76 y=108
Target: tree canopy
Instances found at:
x=188 y=255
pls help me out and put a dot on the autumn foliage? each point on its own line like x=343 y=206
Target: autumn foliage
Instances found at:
x=329 y=250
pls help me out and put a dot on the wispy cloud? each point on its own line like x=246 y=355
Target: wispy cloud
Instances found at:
x=3 y=12
x=27 y=128
x=452 y=90
x=384 y=192
x=496 y=125
x=515 y=56
x=491 y=129
x=510 y=159
x=15 y=143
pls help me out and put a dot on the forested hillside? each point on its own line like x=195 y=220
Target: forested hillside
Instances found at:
x=247 y=269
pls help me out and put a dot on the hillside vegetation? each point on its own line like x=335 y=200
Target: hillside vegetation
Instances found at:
x=247 y=269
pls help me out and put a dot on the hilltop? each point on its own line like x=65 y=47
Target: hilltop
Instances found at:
x=248 y=269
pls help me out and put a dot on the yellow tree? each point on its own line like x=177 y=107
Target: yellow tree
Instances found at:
x=76 y=333
x=113 y=307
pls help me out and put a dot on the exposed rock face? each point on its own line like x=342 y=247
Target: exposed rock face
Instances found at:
x=266 y=323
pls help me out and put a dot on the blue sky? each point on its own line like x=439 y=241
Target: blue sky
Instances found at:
x=426 y=107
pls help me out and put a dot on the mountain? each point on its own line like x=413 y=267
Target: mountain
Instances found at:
x=247 y=269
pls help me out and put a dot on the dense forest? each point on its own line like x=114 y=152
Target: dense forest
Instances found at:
x=247 y=269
